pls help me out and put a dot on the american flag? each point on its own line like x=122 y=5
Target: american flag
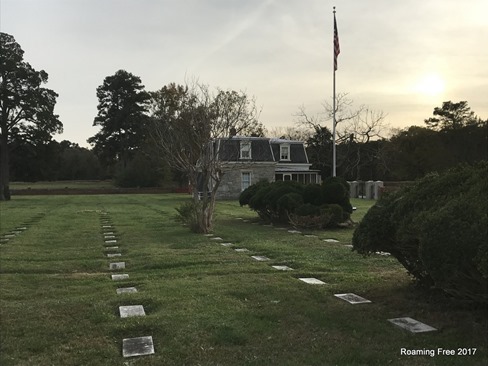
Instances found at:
x=337 y=49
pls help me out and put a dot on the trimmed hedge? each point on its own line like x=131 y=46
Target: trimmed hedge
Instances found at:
x=311 y=206
x=437 y=229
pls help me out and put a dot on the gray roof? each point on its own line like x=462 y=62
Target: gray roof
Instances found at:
x=262 y=150
x=297 y=152
x=230 y=150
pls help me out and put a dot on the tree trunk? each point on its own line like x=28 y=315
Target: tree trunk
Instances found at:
x=4 y=168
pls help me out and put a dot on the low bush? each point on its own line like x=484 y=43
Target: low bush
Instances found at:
x=298 y=204
x=188 y=214
x=437 y=229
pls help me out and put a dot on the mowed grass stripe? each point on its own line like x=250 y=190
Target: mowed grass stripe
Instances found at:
x=205 y=303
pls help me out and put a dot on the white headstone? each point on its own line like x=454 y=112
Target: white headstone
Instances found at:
x=226 y=244
x=217 y=238
x=110 y=241
x=120 y=277
x=242 y=250
x=109 y=236
x=260 y=258
x=312 y=281
x=411 y=325
x=331 y=240
x=112 y=255
x=131 y=310
x=117 y=265
x=140 y=346
x=282 y=268
x=352 y=298
x=126 y=290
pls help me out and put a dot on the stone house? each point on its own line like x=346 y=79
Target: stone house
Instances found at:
x=247 y=160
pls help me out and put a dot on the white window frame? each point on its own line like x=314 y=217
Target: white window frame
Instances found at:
x=287 y=147
x=245 y=148
x=248 y=173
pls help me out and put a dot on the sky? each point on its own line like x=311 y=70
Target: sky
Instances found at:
x=402 y=58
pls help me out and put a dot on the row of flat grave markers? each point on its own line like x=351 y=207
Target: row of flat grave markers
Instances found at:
x=293 y=231
x=131 y=347
x=5 y=238
x=407 y=323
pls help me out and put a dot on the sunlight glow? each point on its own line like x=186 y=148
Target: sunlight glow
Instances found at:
x=431 y=85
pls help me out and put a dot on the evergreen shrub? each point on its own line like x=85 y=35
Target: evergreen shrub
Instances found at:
x=301 y=205
x=437 y=229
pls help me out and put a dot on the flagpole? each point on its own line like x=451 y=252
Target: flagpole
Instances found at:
x=334 y=101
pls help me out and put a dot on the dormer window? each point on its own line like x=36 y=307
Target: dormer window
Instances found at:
x=285 y=152
x=245 y=149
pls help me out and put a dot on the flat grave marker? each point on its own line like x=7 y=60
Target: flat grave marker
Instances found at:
x=331 y=240
x=312 y=281
x=131 y=310
x=120 y=277
x=310 y=236
x=208 y=235
x=260 y=258
x=241 y=250
x=109 y=237
x=217 y=238
x=282 y=268
x=111 y=248
x=411 y=325
x=109 y=233
x=110 y=241
x=113 y=255
x=226 y=244
x=352 y=298
x=294 y=231
x=126 y=290
x=140 y=346
x=107 y=226
x=117 y=265
x=348 y=245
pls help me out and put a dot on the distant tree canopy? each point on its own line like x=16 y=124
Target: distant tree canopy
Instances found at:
x=53 y=161
x=452 y=116
x=122 y=116
x=27 y=109
x=455 y=135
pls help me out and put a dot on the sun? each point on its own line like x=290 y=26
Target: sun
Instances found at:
x=431 y=85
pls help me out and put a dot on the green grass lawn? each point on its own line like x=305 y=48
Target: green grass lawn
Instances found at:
x=207 y=304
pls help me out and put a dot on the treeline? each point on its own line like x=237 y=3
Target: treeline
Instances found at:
x=407 y=155
x=452 y=136
x=412 y=153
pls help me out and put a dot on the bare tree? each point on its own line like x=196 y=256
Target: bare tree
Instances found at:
x=367 y=126
x=187 y=123
x=355 y=127
x=291 y=133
